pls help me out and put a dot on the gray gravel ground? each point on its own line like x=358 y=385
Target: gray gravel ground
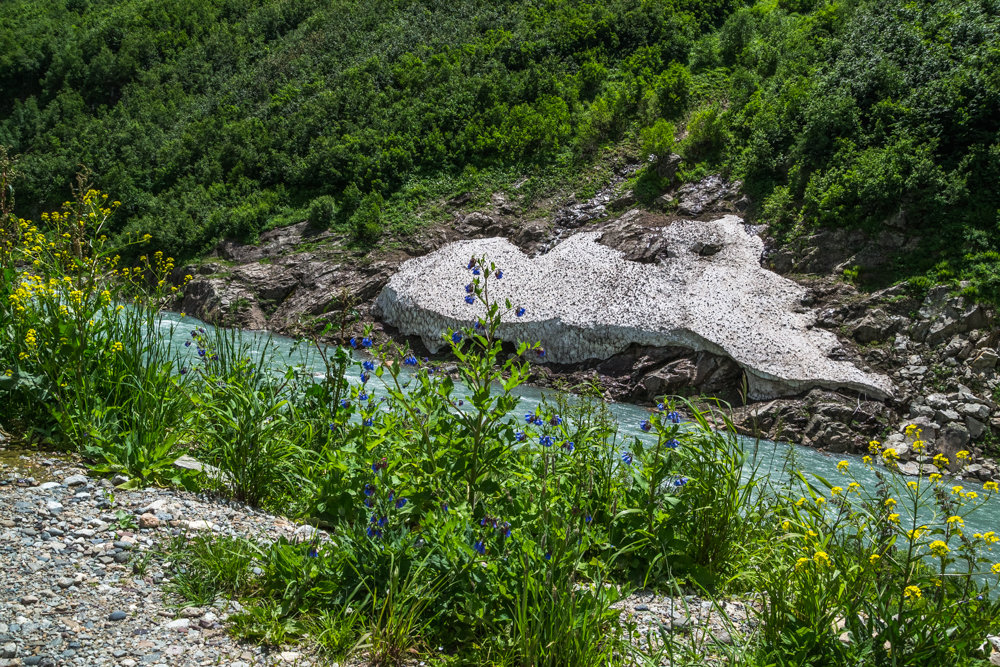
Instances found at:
x=69 y=590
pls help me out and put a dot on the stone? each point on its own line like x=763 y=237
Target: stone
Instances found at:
x=874 y=326
x=117 y=616
x=977 y=410
x=938 y=401
x=585 y=300
x=148 y=521
x=9 y=650
x=75 y=480
x=976 y=428
x=48 y=486
x=199 y=524
x=180 y=625
x=985 y=360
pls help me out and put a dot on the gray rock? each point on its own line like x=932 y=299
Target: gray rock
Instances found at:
x=75 y=480
x=976 y=428
x=985 y=360
x=117 y=616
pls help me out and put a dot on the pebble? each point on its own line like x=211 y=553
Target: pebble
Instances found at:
x=75 y=480
x=117 y=616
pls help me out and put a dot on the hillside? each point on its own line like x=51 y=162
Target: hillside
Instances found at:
x=227 y=118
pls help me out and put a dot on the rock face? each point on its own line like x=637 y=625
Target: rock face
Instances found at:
x=703 y=288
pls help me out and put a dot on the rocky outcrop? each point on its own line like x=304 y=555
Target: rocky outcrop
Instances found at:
x=586 y=300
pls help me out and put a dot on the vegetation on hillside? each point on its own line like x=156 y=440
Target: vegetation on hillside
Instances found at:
x=225 y=117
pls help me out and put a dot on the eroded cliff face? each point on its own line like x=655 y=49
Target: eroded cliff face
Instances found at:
x=702 y=289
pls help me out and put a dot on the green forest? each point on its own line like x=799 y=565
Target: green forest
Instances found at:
x=213 y=118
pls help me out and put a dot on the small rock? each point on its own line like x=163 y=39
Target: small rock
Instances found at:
x=199 y=524
x=117 y=616
x=148 y=521
x=75 y=480
x=181 y=624
x=48 y=486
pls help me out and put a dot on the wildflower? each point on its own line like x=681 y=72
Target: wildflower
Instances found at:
x=890 y=456
x=529 y=418
x=812 y=534
x=991 y=537
x=470 y=299
x=444 y=507
x=362 y=396
x=379 y=465
x=802 y=562
x=645 y=425
x=409 y=360
x=476 y=271
x=674 y=417
x=867 y=460
x=890 y=502
x=367 y=422
x=995 y=568
x=184 y=371
x=546 y=440
x=874 y=558
x=962 y=455
x=499 y=274
x=821 y=558
x=469 y=288
x=842 y=466
x=939 y=548
x=456 y=337
x=935 y=477
x=354 y=343
x=786 y=525
x=991 y=487
x=556 y=420
x=365 y=376
x=400 y=503
x=480 y=547
x=854 y=486
x=472 y=263
x=918 y=445
x=587 y=519
x=366 y=342
x=344 y=403
x=893 y=518
x=313 y=552
x=956 y=489
x=940 y=460
x=971 y=495
x=548 y=555
x=520 y=436
x=912 y=593
x=800 y=502
x=541 y=351
x=911 y=484
x=680 y=481
x=820 y=500
x=955 y=522
x=368 y=365
x=836 y=491
x=916 y=533
x=519 y=312
x=660 y=407
x=672 y=443
x=627 y=458
x=874 y=446
x=369 y=489
x=569 y=446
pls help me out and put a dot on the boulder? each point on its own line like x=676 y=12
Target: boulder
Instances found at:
x=985 y=360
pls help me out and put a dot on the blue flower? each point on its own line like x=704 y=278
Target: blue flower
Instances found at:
x=333 y=427
x=369 y=503
x=556 y=420
x=194 y=334
x=367 y=422
x=505 y=529
x=410 y=360
x=519 y=312
x=680 y=481
x=627 y=458
x=374 y=532
x=546 y=440
x=660 y=406
x=366 y=342
x=645 y=425
x=354 y=343
x=520 y=436
x=672 y=444
x=365 y=376
x=569 y=446
x=187 y=343
x=541 y=351
x=313 y=552
x=362 y=396
x=444 y=507
x=475 y=271
x=538 y=420
x=369 y=489
x=499 y=274
x=469 y=288
x=461 y=402
x=456 y=337
x=184 y=371
x=470 y=299
x=400 y=503
x=588 y=518
x=201 y=352
x=480 y=547
x=529 y=418
x=674 y=417
x=344 y=403
x=368 y=365
x=548 y=555
x=472 y=263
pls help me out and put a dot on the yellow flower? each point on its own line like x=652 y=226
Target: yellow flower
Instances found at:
x=874 y=446
x=955 y=521
x=916 y=533
x=971 y=495
x=939 y=548
x=991 y=537
x=867 y=460
x=800 y=502
x=821 y=558
x=812 y=533
x=785 y=525
x=940 y=460
x=890 y=456
x=853 y=486
x=802 y=562
x=836 y=491
x=918 y=446
x=996 y=568
x=935 y=477
x=992 y=487
x=890 y=502
x=956 y=489
x=912 y=592
x=874 y=558
x=820 y=500
x=893 y=518
x=842 y=466
x=962 y=455
x=911 y=484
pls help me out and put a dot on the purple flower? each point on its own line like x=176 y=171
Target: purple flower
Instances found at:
x=470 y=299
x=379 y=465
x=183 y=371
x=519 y=312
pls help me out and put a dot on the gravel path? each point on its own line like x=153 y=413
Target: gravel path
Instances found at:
x=70 y=593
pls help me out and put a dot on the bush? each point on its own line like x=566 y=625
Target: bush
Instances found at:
x=322 y=211
x=366 y=222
